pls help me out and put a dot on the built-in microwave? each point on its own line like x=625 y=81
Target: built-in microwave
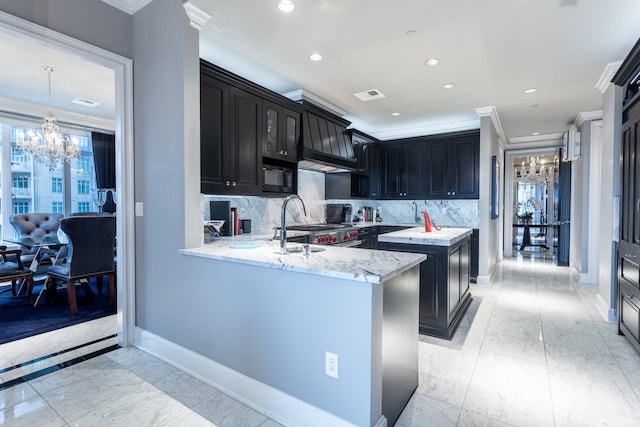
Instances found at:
x=277 y=179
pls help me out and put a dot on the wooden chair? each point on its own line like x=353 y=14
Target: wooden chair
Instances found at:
x=89 y=254
x=12 y=269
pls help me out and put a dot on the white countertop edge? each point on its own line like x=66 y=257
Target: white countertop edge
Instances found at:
x=360 y=274
x=417 y=236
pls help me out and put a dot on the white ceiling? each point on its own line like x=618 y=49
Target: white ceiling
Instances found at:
x=491 y=49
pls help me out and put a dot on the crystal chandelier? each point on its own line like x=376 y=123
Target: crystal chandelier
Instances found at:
x=533 y=169
x=49 y=146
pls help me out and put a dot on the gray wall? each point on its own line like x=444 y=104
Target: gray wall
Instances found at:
x=490 y=237
x=92 y=21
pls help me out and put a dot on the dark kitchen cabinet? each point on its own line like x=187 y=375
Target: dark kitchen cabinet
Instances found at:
x=444 y=285
x=452 y=167
x=230 y=132
x=281 y=133
x=629 y=240
x=402 y=171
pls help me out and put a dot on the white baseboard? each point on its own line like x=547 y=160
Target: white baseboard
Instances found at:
x=275 y=404
x=608 y=313
x=488 y=279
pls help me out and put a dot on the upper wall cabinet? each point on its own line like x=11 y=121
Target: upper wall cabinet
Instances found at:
x=452 y=167
x=242 y=124
x=282 y=132
x=230 y=138
x=402 y=171
x=435 y=167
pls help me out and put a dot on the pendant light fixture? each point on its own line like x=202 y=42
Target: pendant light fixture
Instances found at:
x=49 y=146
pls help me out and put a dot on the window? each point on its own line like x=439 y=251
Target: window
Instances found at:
x=20 y=207
x=84 y=164
x=56 y=185
x=36 y=188
x=21 y=181
x=83 y=186
x=84 y=206
x=17 y=157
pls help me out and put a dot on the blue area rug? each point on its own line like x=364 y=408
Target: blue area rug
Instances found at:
x=21 y=320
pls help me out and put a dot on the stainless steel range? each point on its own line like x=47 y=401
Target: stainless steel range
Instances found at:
x=330 y=234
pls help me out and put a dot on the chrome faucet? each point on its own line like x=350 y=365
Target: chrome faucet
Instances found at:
x=416 y=218
x=283 y=225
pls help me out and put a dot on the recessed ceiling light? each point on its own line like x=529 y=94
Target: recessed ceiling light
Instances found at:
x=395 y=114
x=412 y=33
x=535 y=133
x=432 y=61
x=286 y=6
x=530 y=90
x=535 y=105
x=315 y=57
x=448 y=86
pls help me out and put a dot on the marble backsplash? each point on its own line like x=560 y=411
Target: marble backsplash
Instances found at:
x=264 y=212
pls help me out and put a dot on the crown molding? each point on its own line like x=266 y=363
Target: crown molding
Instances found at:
x=128 y=6
x=492 y=112
x=386 y=135
x=588 y=116
x=197 y=16
x=607 y=75
x=303 y=95
x=546 y=139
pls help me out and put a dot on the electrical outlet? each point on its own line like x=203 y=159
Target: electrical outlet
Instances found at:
x=331 y=364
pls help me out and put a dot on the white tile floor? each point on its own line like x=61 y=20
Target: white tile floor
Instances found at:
x=531 y=351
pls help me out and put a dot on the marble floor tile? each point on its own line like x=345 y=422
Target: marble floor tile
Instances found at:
x=473 y=419
x=614 y=396
x=531 y=350
x=225 y=411
x=572 y=414
x=444 y=383
x=423 y=411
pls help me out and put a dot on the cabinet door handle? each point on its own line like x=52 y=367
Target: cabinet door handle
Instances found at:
x=233 y=184
x=453 y=193
x=630 y=255
x=286 y=154
x=629 y=296
x=448 y=193
x=281 y=152
x=638 y=205
x=227 y=183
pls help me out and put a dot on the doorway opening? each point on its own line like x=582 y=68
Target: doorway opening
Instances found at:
x=122 y=72
x=532 y=185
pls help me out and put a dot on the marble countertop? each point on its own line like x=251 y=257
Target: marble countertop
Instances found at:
x=360 y=265
x=446 y=236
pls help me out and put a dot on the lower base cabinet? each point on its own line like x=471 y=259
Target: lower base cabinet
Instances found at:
x=444 y=285
x=629 y=296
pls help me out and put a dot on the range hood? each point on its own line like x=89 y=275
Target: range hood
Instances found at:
x=326 y=144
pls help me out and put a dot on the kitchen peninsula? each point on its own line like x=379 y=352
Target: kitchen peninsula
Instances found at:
x=444 y=276
x=288 y=313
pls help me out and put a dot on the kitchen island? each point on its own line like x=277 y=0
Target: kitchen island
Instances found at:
x=444 y=275
x=274 y=319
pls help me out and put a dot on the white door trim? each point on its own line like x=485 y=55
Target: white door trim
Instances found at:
x=123 y=71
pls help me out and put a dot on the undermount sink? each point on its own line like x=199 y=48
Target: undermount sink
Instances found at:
x=244 y=245
x=300 y=249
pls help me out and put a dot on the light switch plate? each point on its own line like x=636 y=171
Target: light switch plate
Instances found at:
x=139 y=209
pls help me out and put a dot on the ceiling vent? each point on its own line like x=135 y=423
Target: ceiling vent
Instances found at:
x=85 y=102
x=369 y=95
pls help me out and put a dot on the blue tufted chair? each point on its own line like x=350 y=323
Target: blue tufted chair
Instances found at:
x=90 y=254
x=36 y=225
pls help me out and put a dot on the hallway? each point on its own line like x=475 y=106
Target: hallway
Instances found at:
x=531 y=351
